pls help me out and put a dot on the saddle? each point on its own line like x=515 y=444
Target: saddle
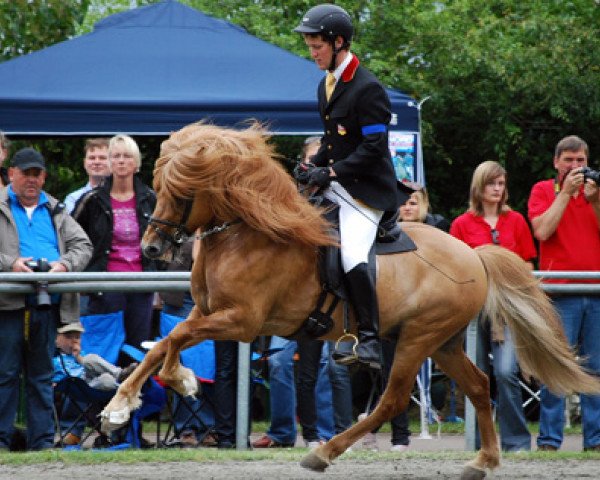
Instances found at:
x=390 y=239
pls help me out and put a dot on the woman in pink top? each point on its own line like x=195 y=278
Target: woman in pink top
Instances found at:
x=115 y=216
x=490 y=220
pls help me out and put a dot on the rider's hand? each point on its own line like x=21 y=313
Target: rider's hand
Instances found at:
x=302 y=172
x=320 y=176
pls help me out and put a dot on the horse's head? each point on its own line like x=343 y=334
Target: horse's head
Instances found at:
x=209 y=177
x=180 y=209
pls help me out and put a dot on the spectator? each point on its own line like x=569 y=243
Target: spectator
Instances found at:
x=226 y=358
x=4 y=146
x=416 y=209
x=490 y=220
x=33 y=226
x=98 y=373
x=96 y=166
x=71 y=361
x=115 y=216
x=565 y=214
x=353 y=164
x=310 y=397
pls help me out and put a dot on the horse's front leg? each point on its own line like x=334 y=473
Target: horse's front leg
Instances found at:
x=229 y=324
x=117 y=412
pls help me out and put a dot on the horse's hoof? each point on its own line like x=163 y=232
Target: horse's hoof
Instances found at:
x=314 y=462
x=190 y=386
x=472 y=473
x=114 y=420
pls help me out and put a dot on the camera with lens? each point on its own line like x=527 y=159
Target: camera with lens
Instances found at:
x=591 y=173
x=41 y=288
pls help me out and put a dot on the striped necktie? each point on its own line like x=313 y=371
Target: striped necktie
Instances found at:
x=329 y=85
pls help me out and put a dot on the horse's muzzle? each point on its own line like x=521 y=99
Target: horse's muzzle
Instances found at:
x=152 y=250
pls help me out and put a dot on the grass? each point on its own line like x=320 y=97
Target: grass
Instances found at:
x=88 y=457
x=449 y=428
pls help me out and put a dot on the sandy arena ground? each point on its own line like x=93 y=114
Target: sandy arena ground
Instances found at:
x=344 y=469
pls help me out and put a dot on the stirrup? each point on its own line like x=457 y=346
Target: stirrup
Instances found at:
x=344 y=358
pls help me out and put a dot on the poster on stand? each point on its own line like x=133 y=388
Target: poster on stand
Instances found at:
x=405 y=151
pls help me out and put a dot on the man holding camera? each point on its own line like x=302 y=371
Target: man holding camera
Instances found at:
x=36 y=234
x=565 y=215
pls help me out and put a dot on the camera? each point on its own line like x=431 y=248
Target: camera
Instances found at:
x=591 y=173
x=41 y=288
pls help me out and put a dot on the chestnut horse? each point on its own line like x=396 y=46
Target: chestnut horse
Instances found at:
x=256 y=274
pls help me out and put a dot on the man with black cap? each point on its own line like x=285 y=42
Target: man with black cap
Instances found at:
x=35 y=234
x=353 y=164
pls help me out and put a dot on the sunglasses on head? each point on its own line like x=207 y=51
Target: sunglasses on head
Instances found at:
x=495 y=236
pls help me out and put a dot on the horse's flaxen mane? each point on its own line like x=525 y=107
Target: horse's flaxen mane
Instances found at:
x=238 y=170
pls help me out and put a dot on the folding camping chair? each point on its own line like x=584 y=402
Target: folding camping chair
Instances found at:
x=104 y=334
x=201 y=359
x=75 y=395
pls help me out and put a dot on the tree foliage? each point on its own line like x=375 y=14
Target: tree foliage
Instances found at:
x=505 y=79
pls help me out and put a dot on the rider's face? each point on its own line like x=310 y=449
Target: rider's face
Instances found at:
x=320 y=50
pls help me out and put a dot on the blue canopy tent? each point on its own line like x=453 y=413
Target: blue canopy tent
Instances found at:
x=154 y=69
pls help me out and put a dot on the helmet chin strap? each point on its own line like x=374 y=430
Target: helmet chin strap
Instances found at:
x=332 y=65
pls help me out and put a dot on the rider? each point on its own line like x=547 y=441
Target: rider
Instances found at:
x=353 y=164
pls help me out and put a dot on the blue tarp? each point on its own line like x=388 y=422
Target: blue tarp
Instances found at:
x=154 y=69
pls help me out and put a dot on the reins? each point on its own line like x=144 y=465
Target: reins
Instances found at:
x=218 y=229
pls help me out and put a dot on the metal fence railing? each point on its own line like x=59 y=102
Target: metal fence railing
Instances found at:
x=85 y=282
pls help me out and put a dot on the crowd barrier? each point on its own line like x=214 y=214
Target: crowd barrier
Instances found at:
x=85 y=282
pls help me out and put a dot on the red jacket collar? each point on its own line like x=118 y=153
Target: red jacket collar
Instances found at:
x=350 y=70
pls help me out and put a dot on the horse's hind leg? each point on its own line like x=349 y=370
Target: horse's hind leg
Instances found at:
x=394 y=400
x=453 y=361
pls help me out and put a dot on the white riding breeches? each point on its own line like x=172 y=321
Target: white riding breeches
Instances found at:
x=358 y=226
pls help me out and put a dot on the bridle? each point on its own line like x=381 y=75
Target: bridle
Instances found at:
x=181 y=233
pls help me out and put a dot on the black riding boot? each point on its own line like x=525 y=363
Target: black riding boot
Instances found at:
x=363 y=296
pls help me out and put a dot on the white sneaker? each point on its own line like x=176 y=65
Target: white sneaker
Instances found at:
x=314 y=444
x=399 y=448
x=370 y=442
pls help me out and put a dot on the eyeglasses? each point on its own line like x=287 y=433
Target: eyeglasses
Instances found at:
x=495 y=236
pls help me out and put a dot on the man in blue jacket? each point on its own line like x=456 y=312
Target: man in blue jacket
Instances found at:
x=34 y=227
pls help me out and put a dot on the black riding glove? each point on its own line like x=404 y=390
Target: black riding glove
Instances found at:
x=319 y=176
x=302 y=172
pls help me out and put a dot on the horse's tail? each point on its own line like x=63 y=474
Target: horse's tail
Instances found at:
x=515 y=297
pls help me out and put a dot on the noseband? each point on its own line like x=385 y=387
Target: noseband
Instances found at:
x=180 y=234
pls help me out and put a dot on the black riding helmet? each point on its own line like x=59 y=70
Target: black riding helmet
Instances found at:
x=330 y=21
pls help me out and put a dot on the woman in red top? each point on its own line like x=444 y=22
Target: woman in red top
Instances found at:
x=490 y=220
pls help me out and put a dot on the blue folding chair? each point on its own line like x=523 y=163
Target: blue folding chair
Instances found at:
x=104 y=335
x=187 y=411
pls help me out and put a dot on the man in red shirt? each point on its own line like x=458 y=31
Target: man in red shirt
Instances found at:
x=565 y=216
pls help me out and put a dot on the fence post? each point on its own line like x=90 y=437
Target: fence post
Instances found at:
x=470 y=418
x=243 y=396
